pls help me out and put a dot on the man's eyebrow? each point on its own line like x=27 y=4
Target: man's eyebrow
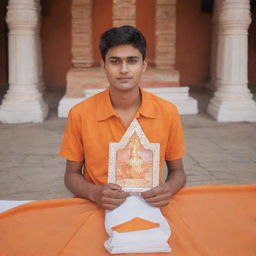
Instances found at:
x=128 y=57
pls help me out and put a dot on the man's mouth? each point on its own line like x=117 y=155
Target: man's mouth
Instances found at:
x=124 y=78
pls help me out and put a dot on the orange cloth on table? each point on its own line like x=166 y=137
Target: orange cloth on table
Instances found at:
x=93 y=123
x=205 y=220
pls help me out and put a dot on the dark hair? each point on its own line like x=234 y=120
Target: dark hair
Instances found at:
x=122 y=35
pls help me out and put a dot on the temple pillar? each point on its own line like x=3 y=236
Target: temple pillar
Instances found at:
x=214 y=46
x=82 y=49
x=24 y=100
x=165 y=34
x=124 y=12
x=39 y=52
x=83 y=73
x=163 y=76
x=233 y=101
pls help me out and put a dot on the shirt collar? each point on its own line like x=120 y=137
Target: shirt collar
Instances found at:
x=147 y=107
x=105 y=109
x=104 y=106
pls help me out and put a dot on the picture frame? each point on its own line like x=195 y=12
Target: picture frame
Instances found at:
x=134 y=161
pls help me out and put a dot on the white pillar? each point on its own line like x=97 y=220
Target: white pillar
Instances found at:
x=214 y=45
x=233 y=101
x=24 y=101
x=39 y=51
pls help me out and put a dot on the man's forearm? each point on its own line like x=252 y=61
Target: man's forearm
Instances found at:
x=76 y=183
x=176 y=180
x=108 y=196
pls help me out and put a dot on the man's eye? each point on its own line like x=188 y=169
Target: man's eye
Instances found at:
x=132 y=61
x=114 y=61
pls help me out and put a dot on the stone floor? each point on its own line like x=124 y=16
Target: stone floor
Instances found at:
x=30 y=168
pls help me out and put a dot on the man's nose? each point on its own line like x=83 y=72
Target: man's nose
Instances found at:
x=124 y=67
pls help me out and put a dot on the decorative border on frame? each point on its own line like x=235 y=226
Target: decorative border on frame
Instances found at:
x=154 y=147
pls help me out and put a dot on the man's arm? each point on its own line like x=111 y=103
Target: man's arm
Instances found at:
x=176 y=179
x=108 y=196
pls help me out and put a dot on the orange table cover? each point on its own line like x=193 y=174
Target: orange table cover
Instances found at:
x=214 y=220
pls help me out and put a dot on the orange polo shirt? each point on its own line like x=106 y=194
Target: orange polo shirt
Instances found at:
x=93 y=123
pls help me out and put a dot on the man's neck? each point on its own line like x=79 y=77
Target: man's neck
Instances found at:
x=125 y=100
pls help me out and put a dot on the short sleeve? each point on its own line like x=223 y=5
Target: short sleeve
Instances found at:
x=175 y=146
x=72 y=144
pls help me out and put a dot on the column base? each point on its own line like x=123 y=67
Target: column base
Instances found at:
x=210 y=85
x=177 y=95
x=23 y=112
x=225 y=111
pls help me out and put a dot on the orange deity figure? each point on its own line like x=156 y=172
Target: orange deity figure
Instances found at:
x=136 y=161
x=134 y=164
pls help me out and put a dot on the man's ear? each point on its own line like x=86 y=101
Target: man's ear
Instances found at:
x=102 y=64
x=145 y=64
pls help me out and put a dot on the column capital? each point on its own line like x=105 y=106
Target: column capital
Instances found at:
x=23 y=14
x=235 y=15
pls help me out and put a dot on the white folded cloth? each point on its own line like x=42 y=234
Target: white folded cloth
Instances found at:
x=142 y=241
x=8 y=204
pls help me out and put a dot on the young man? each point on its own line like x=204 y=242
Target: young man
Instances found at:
x=103 y=118
x=76 y=226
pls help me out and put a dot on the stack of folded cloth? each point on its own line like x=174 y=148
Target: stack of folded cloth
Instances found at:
x=136 y=227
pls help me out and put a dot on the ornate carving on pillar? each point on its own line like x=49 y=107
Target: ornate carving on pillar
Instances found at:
x=165 y=34
x=233 y=101
x=124 y=12
x=82 y=50
x=23 y=101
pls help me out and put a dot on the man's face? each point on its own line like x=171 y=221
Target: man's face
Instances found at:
x=123 y=67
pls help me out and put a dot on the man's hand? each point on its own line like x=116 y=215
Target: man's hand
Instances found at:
x=110 y=196
x=158 y=196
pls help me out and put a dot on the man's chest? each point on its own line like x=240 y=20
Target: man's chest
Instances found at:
x=96 y=138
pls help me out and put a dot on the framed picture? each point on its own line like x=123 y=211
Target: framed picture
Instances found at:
x=134 y=161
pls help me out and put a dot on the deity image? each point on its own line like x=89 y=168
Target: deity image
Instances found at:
x=134 y=164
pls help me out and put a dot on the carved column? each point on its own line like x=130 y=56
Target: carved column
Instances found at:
x=233 y=101
x=165 y=34
x=23 y=101
x=82 y=50
x=39 y=51
x=215 y=37
x=124 y=12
